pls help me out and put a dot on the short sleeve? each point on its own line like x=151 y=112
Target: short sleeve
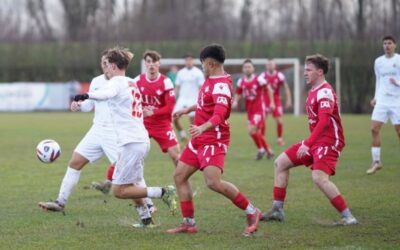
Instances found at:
x=168 y=85
x=239 y=88
x=261 y=79
x=222 y=94
x=281 y=77
x=178 y=79
x=325 y=101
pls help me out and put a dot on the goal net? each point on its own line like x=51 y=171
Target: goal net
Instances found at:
x=290 y=67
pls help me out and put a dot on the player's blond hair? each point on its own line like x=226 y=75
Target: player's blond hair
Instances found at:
x=120 y=56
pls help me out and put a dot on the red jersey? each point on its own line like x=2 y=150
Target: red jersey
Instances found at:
x=323 y=100
x=252 y=91
x=215 y=91
x=159 y=95
x=276 y=81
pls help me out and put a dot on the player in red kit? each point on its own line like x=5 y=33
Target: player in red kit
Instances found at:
x=276 y=80
x=158 y=103
x=209 y=144
x=320 y=150
x=252 y=91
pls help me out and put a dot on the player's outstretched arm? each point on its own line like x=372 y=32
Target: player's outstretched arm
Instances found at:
x=235 y=102
x=271 y=97
x=184 y=111
x=288 y=94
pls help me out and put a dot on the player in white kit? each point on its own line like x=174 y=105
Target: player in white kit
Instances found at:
x=188 y=82
x=125 y=102
x=386 y=101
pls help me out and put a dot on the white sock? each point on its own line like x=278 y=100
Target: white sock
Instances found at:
x=182 y=133
x=261 y=150
x=71 y=178
x=346 y=213
x=154 y=192
x=143 y=212
x=147 y=200
x=277 y=204
x=250 y=209
x=376 y=154
x=189 y=221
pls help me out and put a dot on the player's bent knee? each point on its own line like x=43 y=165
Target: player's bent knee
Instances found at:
x=214 y=185
x=319 y=179
x=77 y=161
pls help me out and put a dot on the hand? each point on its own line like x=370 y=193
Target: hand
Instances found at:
x=179 y=113
x=272 y=106
x=393 y=81
x=288 y=105
x=373 y=102
x=196 y=130
x=147 y=111
x=235 y=105
x=75 y=106
x=302 y=151
x=82 y=97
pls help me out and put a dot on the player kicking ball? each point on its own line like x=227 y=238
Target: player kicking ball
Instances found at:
x=209 y=144
x=320 y=150
x=125 y=102
x=252 y=91
x=99 y=140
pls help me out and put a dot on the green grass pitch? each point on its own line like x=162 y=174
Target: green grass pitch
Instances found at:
x=97 y=221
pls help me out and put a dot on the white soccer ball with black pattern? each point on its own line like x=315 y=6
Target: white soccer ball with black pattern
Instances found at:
x=48 y=151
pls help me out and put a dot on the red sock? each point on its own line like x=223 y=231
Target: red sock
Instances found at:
x=110 y=172
x=256 y=140
x=241 y=201
x=339 y=203
x=279 y=193
x=264 y=143
x=279 y=130
x=262 y=129
x=187 y=209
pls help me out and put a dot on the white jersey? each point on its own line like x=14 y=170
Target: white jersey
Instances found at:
x=189 y=82
x=385 y=68
x=102 y=114
x=125 y=103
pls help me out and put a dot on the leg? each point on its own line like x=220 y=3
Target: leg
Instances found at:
x=252 y=130
x=279 y=130
x=322 y=181
x=179 y=127
x=174 y=153
x=376 y=147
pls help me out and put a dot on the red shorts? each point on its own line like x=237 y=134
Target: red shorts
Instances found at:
x=202 y=156
x=256 y=119
x=165 y=137
x=322 y=158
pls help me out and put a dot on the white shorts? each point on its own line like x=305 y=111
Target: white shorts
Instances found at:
x=129 y=167
x=382 y=113
x=97 y=142
x=184 y=103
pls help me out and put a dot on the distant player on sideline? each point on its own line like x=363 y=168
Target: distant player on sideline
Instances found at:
x=100 y=140
x=252 y=91
x=188 y=82
x=320 y=150
x=276 y=80
x=386 y=101
x=209 y=144
x=125 y=102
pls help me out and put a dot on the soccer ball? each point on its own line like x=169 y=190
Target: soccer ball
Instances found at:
x=48 y=151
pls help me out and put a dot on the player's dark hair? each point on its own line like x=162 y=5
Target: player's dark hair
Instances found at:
x=120 y=56
x=214 y=51
x=152 y=54
x=248 y=60
x=389 y=37
x=320 y=62
x=187 y=55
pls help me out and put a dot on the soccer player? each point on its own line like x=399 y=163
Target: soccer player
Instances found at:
x=276 y=80
x=386 y=102
x=188 y=82
x=320 y=150
x=125 y=102
x=252 y=90
x=209 y=144
x=100 y=140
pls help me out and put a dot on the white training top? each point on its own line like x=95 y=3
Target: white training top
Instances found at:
x=125 y=103
x=189 y=82
x=102 y=113
x=385 y=68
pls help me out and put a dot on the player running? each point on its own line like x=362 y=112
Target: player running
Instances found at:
x=386 y=102
x=252 y=91
x=188 y=82
x=276 y=80
x=320 y=150
x=125 y=102
x=99 y=140
x=209 y=144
